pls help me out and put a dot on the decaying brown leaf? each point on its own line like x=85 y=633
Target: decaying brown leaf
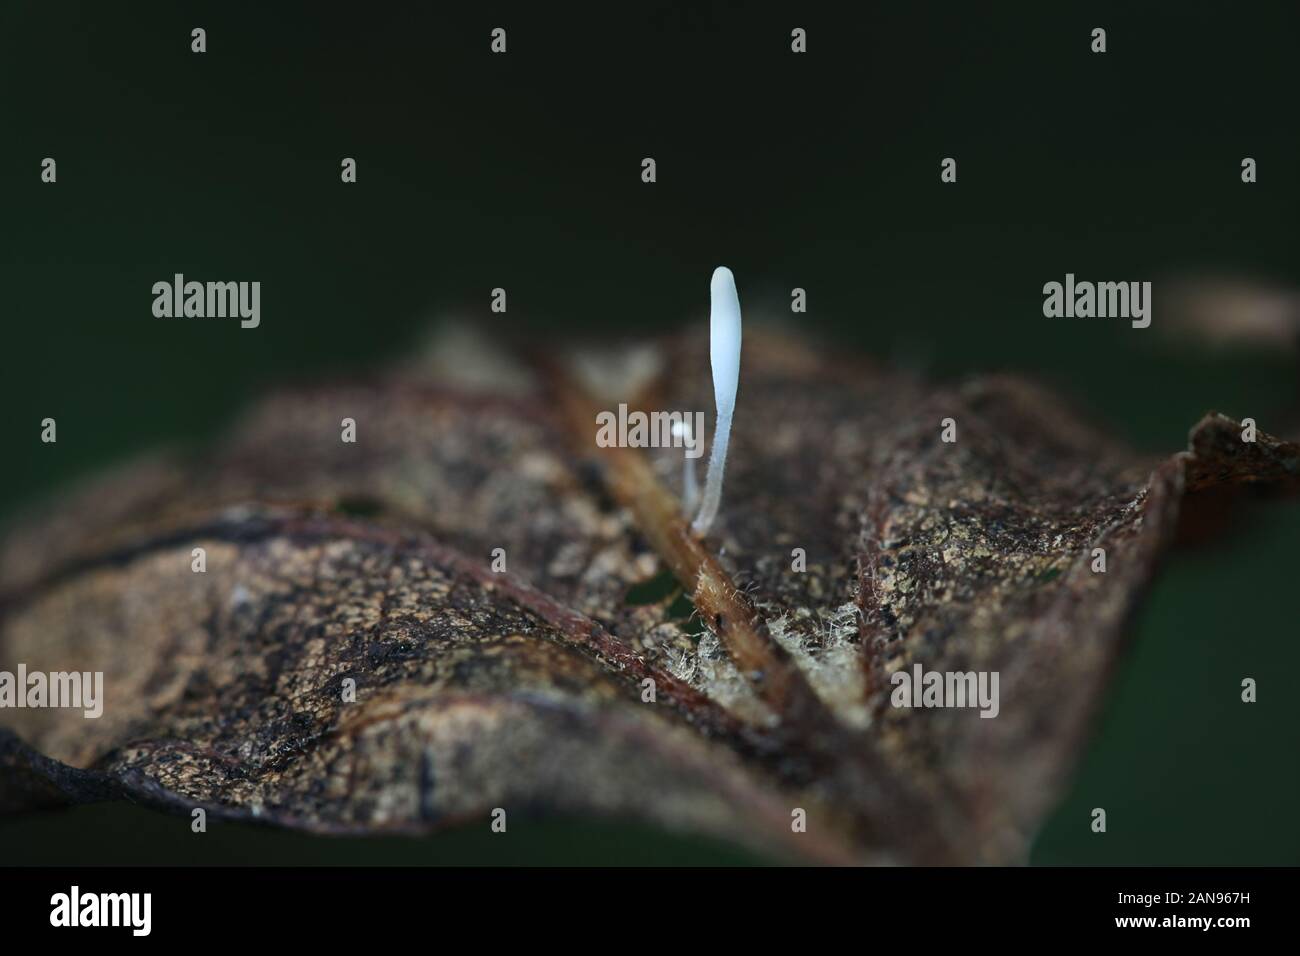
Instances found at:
x=525 y=689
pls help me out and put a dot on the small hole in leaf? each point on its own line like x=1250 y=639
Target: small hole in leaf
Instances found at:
x=681 y=608
x=652 y=590
x=359 y=506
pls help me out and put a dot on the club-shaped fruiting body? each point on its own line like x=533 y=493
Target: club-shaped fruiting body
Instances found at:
x=724 y=356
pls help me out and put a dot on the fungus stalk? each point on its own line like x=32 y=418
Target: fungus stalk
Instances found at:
x=690 y=487
x=724 y=356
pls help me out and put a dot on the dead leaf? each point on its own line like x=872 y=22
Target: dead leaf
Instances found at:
x=371 y=561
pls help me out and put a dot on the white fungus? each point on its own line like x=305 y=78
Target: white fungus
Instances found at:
x=724 y=356
x=690 y=488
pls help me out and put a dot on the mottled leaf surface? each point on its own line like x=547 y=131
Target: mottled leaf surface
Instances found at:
x=371 y=561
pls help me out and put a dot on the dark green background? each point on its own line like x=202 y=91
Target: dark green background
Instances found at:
x=819 y=171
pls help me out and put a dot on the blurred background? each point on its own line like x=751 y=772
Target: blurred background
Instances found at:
x=819 y=171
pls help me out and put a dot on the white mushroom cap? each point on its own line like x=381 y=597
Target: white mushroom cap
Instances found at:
x=724 y=339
